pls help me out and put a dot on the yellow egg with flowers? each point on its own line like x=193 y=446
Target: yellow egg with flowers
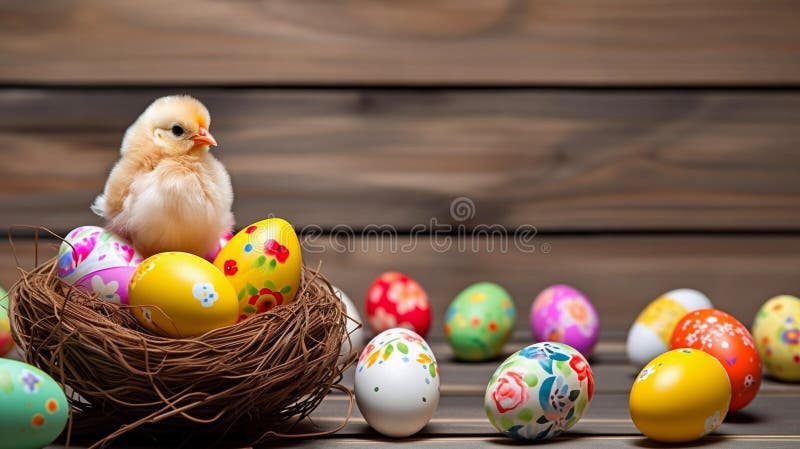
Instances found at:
x=181 y=295
x=262 y=262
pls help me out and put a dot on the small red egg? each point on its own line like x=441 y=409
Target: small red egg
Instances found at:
x=724 y=337
x=396 y=300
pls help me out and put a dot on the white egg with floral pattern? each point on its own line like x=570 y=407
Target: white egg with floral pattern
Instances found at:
x=397 y=383
x=539 y=391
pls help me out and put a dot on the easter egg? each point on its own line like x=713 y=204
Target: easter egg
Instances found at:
x=6 y=342
x=396 y=300
x=33 y=408
x=110 y=284
x=776 y=332
x=479 y=321
x=263 y=263
x=397 y=383
x=564 y=314
x=539 y=391
x=354 y=326
x=89 y=249
x=651 y=332
x=181 y=295
x=723 y=336
x=223 y=240
x=680 y=396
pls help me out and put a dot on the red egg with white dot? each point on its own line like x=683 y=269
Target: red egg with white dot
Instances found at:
x=396 y=300
x=728 y=340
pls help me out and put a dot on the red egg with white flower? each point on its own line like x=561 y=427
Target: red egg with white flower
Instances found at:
x=728 y=340
x=396 y=300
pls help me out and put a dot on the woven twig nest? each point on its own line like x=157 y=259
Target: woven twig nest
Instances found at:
x=242 y=383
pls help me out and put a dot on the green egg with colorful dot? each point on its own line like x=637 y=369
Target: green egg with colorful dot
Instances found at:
x=479 y=322
x=33 y=407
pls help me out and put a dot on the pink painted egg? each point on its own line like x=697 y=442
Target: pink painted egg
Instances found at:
x=396 y=300
x=88 y=249
x=563 y=314
x=110 y=284
x=226 y=237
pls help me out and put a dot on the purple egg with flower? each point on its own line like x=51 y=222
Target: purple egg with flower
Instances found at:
x=563 y=314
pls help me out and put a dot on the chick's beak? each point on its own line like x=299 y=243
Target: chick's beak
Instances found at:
x=204 y=137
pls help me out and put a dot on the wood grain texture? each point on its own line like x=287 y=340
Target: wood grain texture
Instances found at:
x=459 y=420
x=619 y=274
x=587 y=42
x=557 y=160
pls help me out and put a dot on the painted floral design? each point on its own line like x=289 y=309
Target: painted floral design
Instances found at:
x=713 y=421
x=260 y=300
x=545 y=377
x=230 y=268
x=645 y=373
x=142 y=270
x=510 y=392
x=107 y=292
x=575 y=312
x=413 y=337
x=376 y=294
x=79 y=252
x=382 y=319
x=546 y=354
x=582 y=370
x=275 y=249
x=544 y=300
x=126 y=252
x=366 y=352
x=205 y=293
x=791 y=336
x=264 y=300
x=543 y=350
x=749 y=380
x=555 y=398
x=408 y=296
x=398 y=342
x=478 y=297
x=30 y=381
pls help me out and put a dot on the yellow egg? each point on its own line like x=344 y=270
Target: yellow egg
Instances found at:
x=776 y=332
x=680 y=396
x=181 y=295
x=262 y=262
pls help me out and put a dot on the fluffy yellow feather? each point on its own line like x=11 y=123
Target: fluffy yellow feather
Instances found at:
x=167 y=192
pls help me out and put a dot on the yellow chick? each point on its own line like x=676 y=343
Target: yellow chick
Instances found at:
x=167 y=192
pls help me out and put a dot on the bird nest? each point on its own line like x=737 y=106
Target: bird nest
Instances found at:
x=241 y=384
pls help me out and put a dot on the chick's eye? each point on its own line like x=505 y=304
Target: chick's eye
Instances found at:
x=177 y=130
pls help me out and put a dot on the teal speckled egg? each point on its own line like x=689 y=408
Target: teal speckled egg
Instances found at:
x=479 y=321
x=33 y=408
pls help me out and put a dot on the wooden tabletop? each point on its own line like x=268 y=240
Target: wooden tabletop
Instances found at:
x=768 y=422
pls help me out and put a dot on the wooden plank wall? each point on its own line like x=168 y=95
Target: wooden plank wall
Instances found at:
x=649 y=145
x=652 y=145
